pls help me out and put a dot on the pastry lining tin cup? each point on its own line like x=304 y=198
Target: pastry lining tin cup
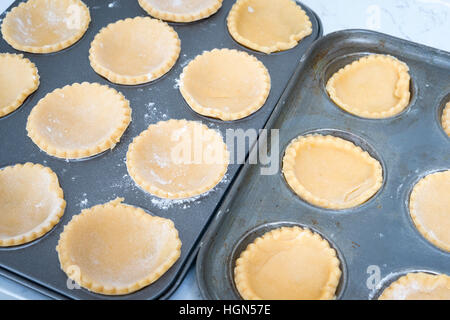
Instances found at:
x=358 y=141
x=389 y=279
x=341 y=61
x=259 y=231
x=407 y=205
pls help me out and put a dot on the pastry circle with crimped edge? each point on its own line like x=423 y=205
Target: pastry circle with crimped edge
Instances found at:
x=116 y=249
x=268 y=26
x=79 y=120
x=288 y=263
x=181 y=10
x=446 y=119
x=18 y=79
x=31 y=203
x=135 y=50
x=225 y=84
x=177 y=159
x=45 y=26
x=331 y=172
x=418 y=286
x=429 y=207
x=376 y=86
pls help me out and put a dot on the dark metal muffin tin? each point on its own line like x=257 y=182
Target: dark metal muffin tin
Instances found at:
x=104 y=177
x=377 y=235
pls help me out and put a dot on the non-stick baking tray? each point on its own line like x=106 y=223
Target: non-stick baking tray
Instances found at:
x=378 y=236
x=103 y=178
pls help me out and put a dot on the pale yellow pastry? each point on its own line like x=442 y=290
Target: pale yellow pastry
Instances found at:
x=134 y=51
x=79 y=121
x=446 y=119
x=419 y=286
x=31 y=203
x=180 y=10
x=289 y=263
x=43 y=26
x=267 y=25
x=331 y=172
x=225 y=84
x=375 y=86
x=115 y=248
x=177 y=159
x=429 y=206
x=18 y=79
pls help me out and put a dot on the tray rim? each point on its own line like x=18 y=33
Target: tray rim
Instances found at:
x=214 y=225
x=192 y=256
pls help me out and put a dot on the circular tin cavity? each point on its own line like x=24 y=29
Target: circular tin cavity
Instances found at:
x=340 y=62
x=45 y=235
x=407 y=210
x=391 y=278
x=356 y=140
x=440 y=113
x=251 y=235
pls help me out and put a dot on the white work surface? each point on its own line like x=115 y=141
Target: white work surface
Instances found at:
x=422 y=21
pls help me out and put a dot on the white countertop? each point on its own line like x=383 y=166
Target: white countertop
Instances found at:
x=422 y=21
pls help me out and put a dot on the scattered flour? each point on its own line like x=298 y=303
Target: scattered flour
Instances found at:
x=51 y=17
x=125 y=183
x=113 y=4
x=120 y=164
x=154 y=112
x=165 y=204
x=250 y=9
x=401 y=292
x=83 y=202
x=177 y=83
x=162 y=161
